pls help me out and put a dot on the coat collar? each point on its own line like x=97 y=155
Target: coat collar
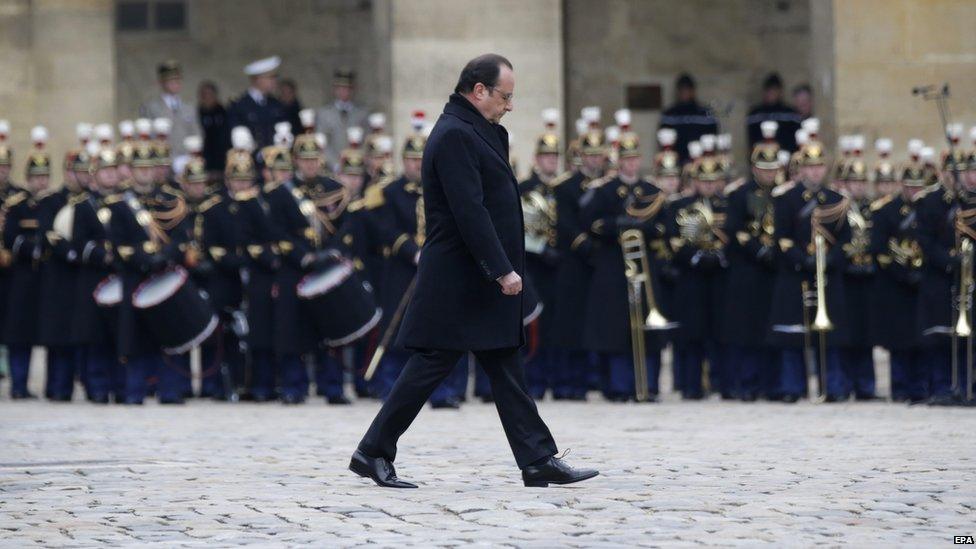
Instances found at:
x=493 y=134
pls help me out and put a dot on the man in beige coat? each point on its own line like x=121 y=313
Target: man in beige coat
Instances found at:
x=168 y=104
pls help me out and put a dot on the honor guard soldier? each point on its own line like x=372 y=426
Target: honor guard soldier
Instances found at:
x=698 y=239
x=610 y=207
x=7 y=189
x=752 y=252
x=163 y=172
x=859 y=272
x=576 y=250
x=885 y=176
x=946 y=214
x=259 y=241
x=123 y=151
x=806 y=212
x=541 y=255
x=894 y=296
x=257 y=109
x=25 y=241
x=95 y=256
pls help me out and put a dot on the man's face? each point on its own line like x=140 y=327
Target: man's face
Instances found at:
x=686 y=94
x=803 y=102
x=143 y=175
x=969 y=180
x=286 y=94
x=70 y=181
x=764 y=177
x=969 y=175
x=82 y=177
x=707 y=189
x=813 y=174
x=594 y=162
x=194 y=190
x=125 y=172
x=547 y=163
x=308 y=167
x=772 y=94
x=411 y=168
x=376 y=162
x=207 y=96
x=265 y=83
x=911 y=191
x=280 y=176
x=172 y=86
x=668 y=183
x=888 y=187
x=161 y=173
x=236 y=186
x=352 y=182
x=107 y=178
x=629 y=166
x=38 y=183
x=857 y=189
x=342 y=92
x=497 y=100
x=4 y=172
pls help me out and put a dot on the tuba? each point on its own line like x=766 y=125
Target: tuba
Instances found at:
x=540 y=216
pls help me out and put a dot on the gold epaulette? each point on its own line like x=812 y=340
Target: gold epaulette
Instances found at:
x=734 y=186
x=560 y=179
x=210 y=203
x=76 y=199
x=249 y=194
x=926 y=191
x=172 y=190
x=15 y=199
x=598 y=182
x=780 y=190
x=356 y=205
x=881 y=202
x=373 y=197
x=47 y=192
x=113 y=199
x=271 y=185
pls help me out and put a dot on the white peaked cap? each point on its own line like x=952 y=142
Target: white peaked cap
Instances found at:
x=694 y=149
x=83 y=130
x=769 y=128
x=126 y=128
x=667 y=136
x=320 y=139
x=354 y=134
x=927 y=154
x=144 y=126
x=104 y=132
x=417 y=120
x=550 y=117
x=915 y=146
x=783 y=157
x=724 y=141
x=581 y=126
x=377 y=121
x=857 y=142
x=707 y=142
x=283 y=139
x=38 y=134
x=801 y=136
x=612 y=133
x=262 y=66
x=844 y=143
x=383 y=144
x=162 y=126
x=282 y=128
x=590 y=114
x=954 y=130
x=811 y=125
x=240 y=138
x=307 y=117
x=92 y=148
x=193 y=144
x=4 y=127
x=622 y=116
x=883 y=145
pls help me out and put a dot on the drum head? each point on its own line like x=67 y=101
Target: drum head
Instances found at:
x=158 y=288
x=324 y=281
x=108 y=293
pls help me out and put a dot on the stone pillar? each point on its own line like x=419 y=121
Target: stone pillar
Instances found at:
x=431 y=40
x=59 y=69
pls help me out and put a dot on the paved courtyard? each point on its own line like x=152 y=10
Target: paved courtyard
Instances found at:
x=674 y=474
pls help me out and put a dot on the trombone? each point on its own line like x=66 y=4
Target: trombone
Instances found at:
x=821 y=320
x=637 y=271
x=963 y=326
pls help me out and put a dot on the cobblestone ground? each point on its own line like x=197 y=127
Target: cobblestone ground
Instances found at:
x=674 y=473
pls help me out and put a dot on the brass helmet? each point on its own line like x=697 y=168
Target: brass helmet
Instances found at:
x=593 y=143
x=307 y=146
x=765 y=155
x=104 y=157
x=240 y=165
x=666 y=161
x=708 y=168
x=195 y=171
x=629 y=145
x=548 y=141
x=811 y=154
x=143 y=154
x=884 y=170
x=38 y=160
x=351 y=162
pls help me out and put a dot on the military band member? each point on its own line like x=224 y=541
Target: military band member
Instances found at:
x=885 y=175
x=698 y=239
x=752 y=270
x=7 y=189
x=859 y=272
x=802 y=209
x=894 y=296
x=576 y=250
x=609 y=207
x=22 y=236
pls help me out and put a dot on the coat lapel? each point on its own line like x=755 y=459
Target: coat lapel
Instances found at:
x=460 y=107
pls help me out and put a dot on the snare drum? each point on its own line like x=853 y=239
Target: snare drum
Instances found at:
x=341 y=307
x=108 y=296
x=174 y=310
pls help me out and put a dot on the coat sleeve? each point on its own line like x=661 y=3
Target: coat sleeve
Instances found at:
x=456 y=164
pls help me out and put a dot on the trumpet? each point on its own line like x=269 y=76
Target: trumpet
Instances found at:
x=963 y=326
x=637 y=272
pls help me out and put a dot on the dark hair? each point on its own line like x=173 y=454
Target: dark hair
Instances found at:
x=803 y=88
x=484 y=68
x=208 y=85
x=684 y=81
x=288 y=83
x=772 y=81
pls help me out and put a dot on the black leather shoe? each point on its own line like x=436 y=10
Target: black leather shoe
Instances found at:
x=943 y=400
x=554 y=471
x=22 y=395
x=836 y=398
x=447 y=404
x=379 y=469
x=790 y=398
x=174 y=401
x=292 y=399
x=866 y=398
x=339 y=400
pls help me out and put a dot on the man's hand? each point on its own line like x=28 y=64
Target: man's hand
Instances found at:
x=511 y=283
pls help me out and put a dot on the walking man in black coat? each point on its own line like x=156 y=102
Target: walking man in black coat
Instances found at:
x=469 y=282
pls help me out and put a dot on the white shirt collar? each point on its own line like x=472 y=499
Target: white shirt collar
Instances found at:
x=256 y=95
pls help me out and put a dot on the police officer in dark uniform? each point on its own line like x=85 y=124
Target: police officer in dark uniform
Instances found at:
x=576 y=249
x=257 y=108
x=859 y=272
x=801 y=209
x=609 y=207
x=749 y=219
x=23 y=237
x=894 y=296
x=689 y=119
x=541 y=256
x=773 y=108
x=697 y=236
